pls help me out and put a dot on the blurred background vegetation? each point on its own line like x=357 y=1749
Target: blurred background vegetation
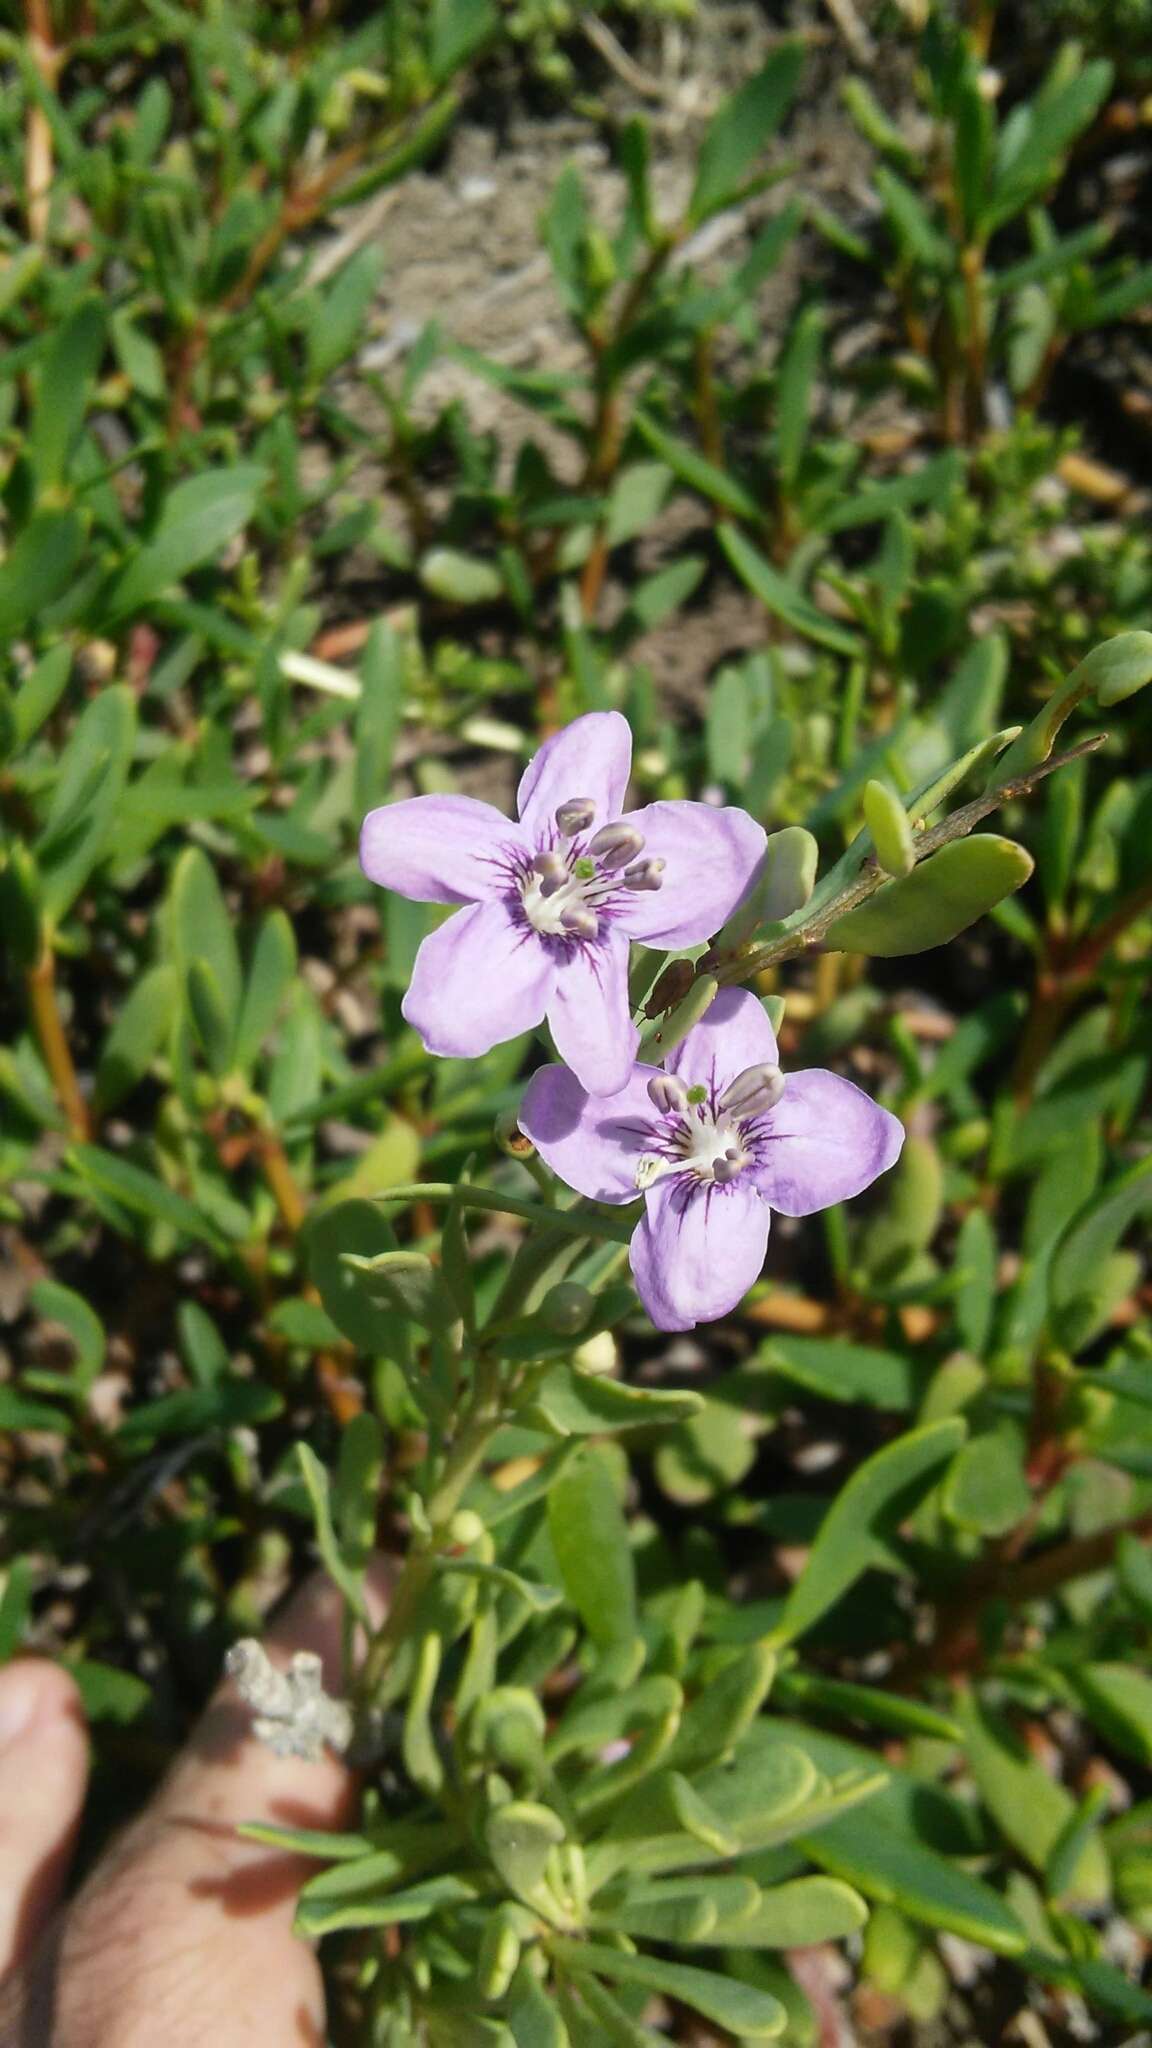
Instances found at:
x=381 y=386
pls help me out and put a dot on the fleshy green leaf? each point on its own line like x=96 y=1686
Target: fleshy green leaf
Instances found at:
x=199 y=518
x=941 y=897
x=740 y=130
x=877 y=1497
x=898 y=1871
x=1113 y=671
x=738 y=2007
x=1031 y=1808
x=781 y=597
x=986 y=1489
x=797 y=1915
x=38 y=567
x=576 y=1403
x=590 y=1538
x=521 y=1837
x=63 y=390
x=139 y=1031
x=86 y=799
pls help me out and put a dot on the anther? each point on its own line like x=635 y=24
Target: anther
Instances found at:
x=753 y=1092
x=645 y=874
x=575 y=815
x=552 y=870
x=579 y=923
x=668 y=1094
x=615 y=844
x=726 y=1169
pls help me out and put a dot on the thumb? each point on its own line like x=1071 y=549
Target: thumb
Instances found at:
x=181 y=1904
x=43 y=1772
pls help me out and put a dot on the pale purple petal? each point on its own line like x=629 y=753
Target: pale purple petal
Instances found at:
x=698 y=1251
x=589 y=1016
x=592 y=757
x=439 y=849
x=824 y=1142
x=711 y=855
x=477 y=981
x=733 y=1034
x=592 y=1142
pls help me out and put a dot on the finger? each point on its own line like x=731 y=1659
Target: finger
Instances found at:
x=183 y=1902
x=43 y=1772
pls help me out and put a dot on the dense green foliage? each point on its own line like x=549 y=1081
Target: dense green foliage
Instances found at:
x=834 y=1617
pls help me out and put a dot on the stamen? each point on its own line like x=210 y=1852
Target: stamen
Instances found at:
x=548 y=864
x=726 y=1169
x=575 y=815
x=754 y=1091
x=579 y=923
x=615 y=844
x=552 y=870
x=645 y=874
x=668 y=1093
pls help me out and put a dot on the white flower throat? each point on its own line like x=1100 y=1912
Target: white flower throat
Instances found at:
x=564 y=892
x=711 y=1142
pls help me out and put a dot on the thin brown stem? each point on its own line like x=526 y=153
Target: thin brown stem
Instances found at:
x=341 y=1393
x=607 y=432
x=282 y=1181
x=38 y=155
x=481 y=1421
x=40 y=982
x=975 y=338
x=959 y=1645
x=301 y=206
x=706 y=408
x=1064 y=976
x=806 y=936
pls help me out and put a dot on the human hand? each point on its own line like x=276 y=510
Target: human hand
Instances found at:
x=182 y=1934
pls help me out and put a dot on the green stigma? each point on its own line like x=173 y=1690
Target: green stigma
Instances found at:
x=584 y=868
x=698 y=1093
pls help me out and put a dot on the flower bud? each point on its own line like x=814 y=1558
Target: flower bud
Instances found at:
x=645 y=874
x=616 y=844
x=754 y=1092
x=510 y=1138
x=575 y=815
x=567 y=1308
x=668 y=1094
x=465 y=1528
x=597 y=1355
x=507 y=1726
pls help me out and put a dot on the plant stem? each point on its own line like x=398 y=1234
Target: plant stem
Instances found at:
x=607 y=433
x=704 y=400
x=482 y=1420
x=48 y=1024
x=582 y=1222
x=1062 y=978
x=975 y=340
x=959 y=1646
x=282 y=1181
x=48 y=61
x=341 y=1394
x=804 y=937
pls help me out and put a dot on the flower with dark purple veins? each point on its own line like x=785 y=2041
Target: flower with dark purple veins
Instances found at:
x=552 y=902
x=714 y=1141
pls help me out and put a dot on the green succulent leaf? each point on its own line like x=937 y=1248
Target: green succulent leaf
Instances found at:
x=941 y=897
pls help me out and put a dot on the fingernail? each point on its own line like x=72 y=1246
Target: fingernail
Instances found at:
x=19 y=1693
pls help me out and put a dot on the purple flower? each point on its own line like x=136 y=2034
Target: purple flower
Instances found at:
x=714 y=1142
x=553 y=901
